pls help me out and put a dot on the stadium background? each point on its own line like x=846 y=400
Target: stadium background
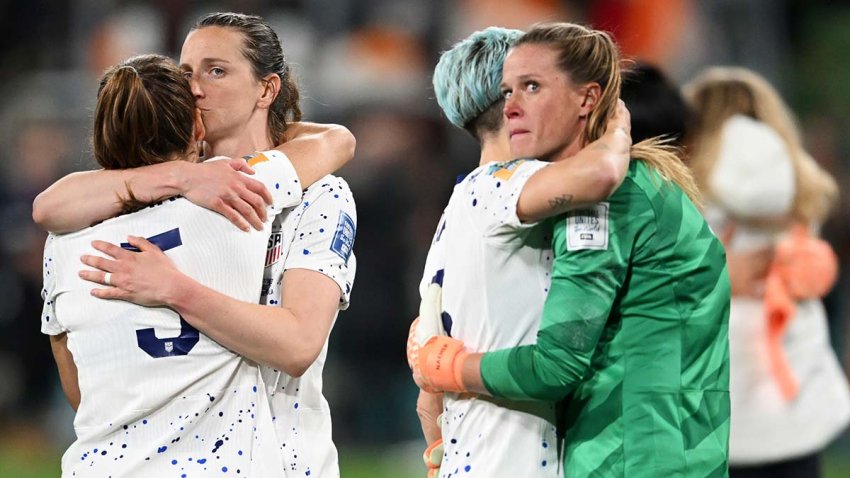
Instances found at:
x=365 y=64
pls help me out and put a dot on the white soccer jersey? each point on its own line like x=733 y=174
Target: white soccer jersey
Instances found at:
x=317 y=235
x=496 y=274
x=765 y=426
x=159 y=398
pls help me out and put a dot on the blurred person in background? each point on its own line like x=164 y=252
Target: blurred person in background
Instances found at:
x=491 y=255
x=136 y=395
x=768 y=197
x=633 y=336
x=248 y=100
x=41 y=148
x=656 y=105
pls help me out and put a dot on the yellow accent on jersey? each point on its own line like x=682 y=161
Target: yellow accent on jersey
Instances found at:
x=257 y=158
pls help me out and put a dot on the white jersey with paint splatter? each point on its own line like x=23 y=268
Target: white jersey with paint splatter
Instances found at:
x=160 y=399
x=317 y=235
x=496 y=274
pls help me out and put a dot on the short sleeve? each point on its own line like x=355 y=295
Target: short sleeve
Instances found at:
x=493 y=192
x=49 y=322
x=274 y=169
x=435 y=260
x=324 y=236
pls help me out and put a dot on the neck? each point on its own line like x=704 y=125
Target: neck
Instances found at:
x=241 y=142
x=569 y=151
x=495 y=147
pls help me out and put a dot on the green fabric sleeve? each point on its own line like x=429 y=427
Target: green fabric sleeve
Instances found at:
x=585 y=285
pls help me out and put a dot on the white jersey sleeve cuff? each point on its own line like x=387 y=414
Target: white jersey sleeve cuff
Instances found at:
x=275 y=171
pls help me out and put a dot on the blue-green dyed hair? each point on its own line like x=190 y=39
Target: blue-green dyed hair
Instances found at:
x=467 y=78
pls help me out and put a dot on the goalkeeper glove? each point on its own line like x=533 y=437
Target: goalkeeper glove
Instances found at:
x=427 y=325
x=433 y=457
x=439 y=365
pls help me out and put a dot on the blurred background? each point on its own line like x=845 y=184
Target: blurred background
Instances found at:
x=365 y=64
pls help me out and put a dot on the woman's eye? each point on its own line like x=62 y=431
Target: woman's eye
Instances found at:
x=506 y=94
x=216 y=71
x=532 y=86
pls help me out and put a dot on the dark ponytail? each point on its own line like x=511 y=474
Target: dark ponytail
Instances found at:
x=144 y=113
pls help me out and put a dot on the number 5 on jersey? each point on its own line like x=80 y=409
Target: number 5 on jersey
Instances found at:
x=146 y=338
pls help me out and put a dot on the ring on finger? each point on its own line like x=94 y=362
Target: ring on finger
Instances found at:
x=107 y=278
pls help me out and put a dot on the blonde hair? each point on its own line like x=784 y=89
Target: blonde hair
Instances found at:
x=719 y=93
x=588 y=55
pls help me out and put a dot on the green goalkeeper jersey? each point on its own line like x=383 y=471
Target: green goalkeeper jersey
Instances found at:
x=634 y=338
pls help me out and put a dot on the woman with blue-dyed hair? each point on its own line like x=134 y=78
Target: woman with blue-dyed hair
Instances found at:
x=492 y=257
x=632 y=342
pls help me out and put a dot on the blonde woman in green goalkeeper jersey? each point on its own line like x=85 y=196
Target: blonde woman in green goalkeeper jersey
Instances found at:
x=632 y=345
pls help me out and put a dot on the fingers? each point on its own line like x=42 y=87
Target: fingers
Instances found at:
x=142 y=244
x=250 y=201
x=412 y=344
x=232 y=215
x=241 y=165
x=259 y=188
x=98 y=277
x=110 y=249
x=248 y=213
x=102 y=264
x=109 y=293
x=621 y=117
x=255 y=196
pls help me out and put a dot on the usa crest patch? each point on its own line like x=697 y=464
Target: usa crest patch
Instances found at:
x=274 y=248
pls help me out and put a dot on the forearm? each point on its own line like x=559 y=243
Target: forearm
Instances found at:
x=574 y=317
x=531 y=372
x=67 y=369
x=588 y=177
x=317 y=150
x=84 y=198
x=269 y=335
x=428 y=408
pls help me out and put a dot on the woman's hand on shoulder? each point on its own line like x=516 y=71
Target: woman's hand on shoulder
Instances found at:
x=219 y=186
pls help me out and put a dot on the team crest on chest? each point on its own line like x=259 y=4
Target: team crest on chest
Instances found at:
x=274 y=248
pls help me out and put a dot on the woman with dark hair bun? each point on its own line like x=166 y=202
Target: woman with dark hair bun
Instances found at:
x=151 y=393
x=248 y=101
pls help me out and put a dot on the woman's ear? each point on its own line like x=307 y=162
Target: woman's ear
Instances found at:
x=271 y=88
x=591 y=98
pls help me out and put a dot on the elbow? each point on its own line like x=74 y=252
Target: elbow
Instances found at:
x=556 y=377
x=297 y=362
x=39 y=210
x=344 y=142
x=298 y=368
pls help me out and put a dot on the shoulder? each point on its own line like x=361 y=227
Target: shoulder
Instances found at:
x=509 y=170
x=638 y=189
x=330 y=196
x=333 y=187
x=498 y=182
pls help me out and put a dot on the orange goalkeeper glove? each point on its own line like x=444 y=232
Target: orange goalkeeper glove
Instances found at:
x=433 y=458
x=439 y=365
